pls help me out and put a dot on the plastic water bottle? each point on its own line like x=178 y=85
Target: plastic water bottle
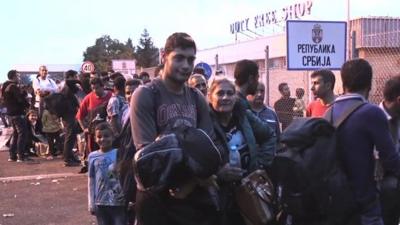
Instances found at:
x=234 y=157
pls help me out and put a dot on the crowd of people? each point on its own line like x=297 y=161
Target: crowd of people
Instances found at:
x=99 y=109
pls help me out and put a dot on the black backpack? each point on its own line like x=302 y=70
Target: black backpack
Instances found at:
x=126 y=152
x=55 y=103
x=308 y=172
x=173 y=159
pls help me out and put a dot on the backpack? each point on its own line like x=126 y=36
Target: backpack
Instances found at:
x=308 y=172
x=125 y=153
x=173 y=159
x=55 y=103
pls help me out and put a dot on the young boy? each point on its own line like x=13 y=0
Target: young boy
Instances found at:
x=106 y=199
x=52 y=128
x=299 y=105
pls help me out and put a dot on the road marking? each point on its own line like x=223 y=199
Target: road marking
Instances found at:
x=40 y=176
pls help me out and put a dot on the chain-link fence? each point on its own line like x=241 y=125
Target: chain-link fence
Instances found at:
x=377 y=40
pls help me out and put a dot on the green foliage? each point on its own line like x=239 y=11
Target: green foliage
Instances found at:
x=146 y=53
x=107 y=49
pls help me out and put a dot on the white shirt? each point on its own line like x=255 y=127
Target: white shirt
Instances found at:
x=44 y=85
x=389 y=118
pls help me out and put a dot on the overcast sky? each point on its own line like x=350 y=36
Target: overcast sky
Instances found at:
x=59 y=31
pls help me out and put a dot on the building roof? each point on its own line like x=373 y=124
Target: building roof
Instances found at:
x=252 y=49
x=50 y=67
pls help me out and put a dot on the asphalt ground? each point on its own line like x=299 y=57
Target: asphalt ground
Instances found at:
x=46 y=193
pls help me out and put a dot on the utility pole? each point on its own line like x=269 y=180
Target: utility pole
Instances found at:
x=348 y=35
x=266 y=70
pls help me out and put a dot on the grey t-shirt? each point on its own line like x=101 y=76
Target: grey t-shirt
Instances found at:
x=173 y=110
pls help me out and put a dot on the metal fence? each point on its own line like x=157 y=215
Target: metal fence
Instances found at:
x=377 y=40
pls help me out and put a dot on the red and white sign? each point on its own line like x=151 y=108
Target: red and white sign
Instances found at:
x=126 y=67
x=87 y=67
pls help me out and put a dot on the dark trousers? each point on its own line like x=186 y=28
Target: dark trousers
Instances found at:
x=3 y=118
x=160 y=209
x=70 y=125
x=91 y=145
x=390 y=200
x=18 y=140
x=111 y=215
x=369 y=215
x=54 y=140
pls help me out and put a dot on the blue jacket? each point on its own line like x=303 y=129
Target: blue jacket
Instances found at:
x=359 y=133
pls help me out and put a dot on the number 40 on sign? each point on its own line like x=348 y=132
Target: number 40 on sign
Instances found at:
x=87 y=67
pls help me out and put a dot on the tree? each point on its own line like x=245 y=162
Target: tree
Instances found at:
x=107 y=49
x=146 y=54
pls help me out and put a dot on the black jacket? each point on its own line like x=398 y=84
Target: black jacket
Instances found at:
x=14 y=99
x=260 y=138
x=64 y=104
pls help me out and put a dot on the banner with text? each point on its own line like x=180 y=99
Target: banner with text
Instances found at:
x=313 y=45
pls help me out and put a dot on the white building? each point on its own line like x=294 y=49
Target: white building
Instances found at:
x=377 y=39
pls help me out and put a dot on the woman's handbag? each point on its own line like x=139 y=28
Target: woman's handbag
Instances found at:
x=256 y=198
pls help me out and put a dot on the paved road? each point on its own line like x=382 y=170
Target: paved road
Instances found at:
x=42 y=194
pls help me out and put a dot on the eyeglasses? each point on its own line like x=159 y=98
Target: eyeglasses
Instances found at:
x=44 y=70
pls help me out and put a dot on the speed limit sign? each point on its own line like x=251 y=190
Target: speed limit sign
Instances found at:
x=87 y=67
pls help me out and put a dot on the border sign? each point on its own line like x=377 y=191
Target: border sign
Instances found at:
x=313 y=45
x=87 y=67
x=207 y=69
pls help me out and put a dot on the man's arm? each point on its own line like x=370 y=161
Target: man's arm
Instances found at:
x=266 y=139
x=308 y=110
x=82 y=112
x=113 y=108
x=143 y=117
x=115 y=125
x=388 y=155
x=83 y=125
x=278 y=127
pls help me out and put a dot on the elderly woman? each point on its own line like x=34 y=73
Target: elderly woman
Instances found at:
x=240 y=133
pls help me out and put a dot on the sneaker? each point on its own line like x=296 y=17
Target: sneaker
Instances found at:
x=71 y=164
x=50 y=157
x=84 y=169
x=27 y=160
x=11 y=160
x=73 y=159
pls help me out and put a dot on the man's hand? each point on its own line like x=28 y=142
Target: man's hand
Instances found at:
x=83 y=127
x=184 y=190
x=229 y=173
x=211 y=181
x=43 y=93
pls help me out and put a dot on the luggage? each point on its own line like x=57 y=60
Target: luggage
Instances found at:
x=256 y=198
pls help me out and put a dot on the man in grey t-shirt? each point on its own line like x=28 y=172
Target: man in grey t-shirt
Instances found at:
x=158 y=108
